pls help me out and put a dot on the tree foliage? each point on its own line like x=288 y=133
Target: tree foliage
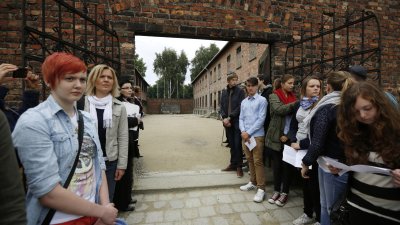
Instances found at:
x=140 y=65
x=171 y=70
x=201 y=59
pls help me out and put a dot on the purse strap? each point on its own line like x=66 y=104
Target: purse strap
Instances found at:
x=51 y=212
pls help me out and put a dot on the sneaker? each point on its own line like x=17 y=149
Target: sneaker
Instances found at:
x=248 y=187
x=260 y=195
x=303 y=219
x=274 y=197
x=282 y=200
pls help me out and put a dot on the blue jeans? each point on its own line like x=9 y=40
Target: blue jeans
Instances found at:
x=331 y=187
x=111 y=168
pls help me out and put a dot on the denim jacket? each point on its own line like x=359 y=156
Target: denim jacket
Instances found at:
x=47 y=146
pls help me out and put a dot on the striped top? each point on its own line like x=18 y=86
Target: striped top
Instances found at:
x=375 y=193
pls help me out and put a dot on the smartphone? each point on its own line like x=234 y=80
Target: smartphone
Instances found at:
x=20 y=73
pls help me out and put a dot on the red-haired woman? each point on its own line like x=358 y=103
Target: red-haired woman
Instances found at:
x=282 y=106
x=370 y=129
x=47 y=141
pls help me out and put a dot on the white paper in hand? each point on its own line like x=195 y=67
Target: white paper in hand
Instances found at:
x=251 y=143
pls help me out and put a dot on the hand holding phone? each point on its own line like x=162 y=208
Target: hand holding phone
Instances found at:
x=20 y=73
x=5 y=68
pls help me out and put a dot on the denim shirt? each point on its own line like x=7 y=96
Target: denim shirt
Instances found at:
x=47 y=145
x=252 y=115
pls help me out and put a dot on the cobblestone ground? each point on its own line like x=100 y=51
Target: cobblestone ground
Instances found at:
x=176 y=143
x=214 y=206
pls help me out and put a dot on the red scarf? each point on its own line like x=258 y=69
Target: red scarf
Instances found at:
x=285 y=99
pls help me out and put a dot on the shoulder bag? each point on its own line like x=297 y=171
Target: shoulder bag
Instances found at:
x=51 y=212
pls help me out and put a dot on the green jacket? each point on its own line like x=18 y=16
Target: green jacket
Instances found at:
x=277 y=123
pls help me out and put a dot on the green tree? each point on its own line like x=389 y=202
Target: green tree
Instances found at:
x=202 y=57
x=171 y=70
x=139 y=65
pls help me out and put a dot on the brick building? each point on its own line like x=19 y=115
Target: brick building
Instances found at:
x=241 y=58
x=277 y=23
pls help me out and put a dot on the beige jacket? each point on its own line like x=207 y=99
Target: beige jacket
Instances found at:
x=116 y=136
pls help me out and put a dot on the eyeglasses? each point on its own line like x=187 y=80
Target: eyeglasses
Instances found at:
x=126 y=88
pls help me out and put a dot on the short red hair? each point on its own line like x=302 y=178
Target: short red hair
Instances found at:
x=58 y=64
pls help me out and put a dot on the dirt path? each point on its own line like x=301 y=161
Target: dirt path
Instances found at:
x=182 y=143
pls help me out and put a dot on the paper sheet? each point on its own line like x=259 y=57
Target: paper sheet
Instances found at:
x=251 y=143
x=356 y=168
x=293 y=157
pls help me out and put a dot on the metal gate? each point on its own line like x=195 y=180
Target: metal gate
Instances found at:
x=339 y=43
x=77 y=27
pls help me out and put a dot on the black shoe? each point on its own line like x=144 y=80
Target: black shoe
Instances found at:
x=133 y=201
x=227 y=146
x=140 y=156
x=130 y=208
x=226 y=141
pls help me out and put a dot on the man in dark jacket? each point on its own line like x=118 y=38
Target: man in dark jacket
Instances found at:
x=231 y=98
x=12 y=198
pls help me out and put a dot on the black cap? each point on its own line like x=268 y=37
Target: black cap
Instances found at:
x=359 y=71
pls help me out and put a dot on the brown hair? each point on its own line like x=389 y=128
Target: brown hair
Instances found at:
x=304 y=84
x=382 y=136
x=282 y=80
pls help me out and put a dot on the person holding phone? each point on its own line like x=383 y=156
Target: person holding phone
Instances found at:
x=46 y=138
x=30 y=97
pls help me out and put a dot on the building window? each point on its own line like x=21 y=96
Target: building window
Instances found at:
x=219 y=72
x=238 y=57
x=210 y=78
x=228 y=64
x=215 y=74
x=252 y=51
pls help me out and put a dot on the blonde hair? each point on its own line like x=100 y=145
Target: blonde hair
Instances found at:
x=94 y=75
x=339 y=80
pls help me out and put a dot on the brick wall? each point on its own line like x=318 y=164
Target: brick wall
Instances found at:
x=272 y=22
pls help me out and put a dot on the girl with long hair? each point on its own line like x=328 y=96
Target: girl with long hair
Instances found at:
x=321 y=124
x=282 y=103
x=310 y=93
x=369 y=127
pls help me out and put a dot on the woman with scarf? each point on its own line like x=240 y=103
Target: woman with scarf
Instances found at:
x=310 y=94
x=282 y=104
x=110 y=115
x=123 y=190
x=322 y=128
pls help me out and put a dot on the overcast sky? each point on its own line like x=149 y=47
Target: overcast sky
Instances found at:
x=147 y=47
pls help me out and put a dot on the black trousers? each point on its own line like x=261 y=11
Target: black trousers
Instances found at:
x=282 y=172
x=311 y=198
x=235 y=143
x=123 y=188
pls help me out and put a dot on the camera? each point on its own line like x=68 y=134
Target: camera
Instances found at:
x=20 y=73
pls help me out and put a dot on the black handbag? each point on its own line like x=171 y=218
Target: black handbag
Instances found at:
x=51 y=212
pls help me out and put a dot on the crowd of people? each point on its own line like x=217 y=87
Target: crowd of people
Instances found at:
x=352 y=121
x=75 y=148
